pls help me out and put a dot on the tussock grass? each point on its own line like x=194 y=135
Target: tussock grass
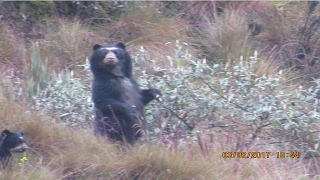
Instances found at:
x=148 y=28
x=67 y=153
x=265 y=67
x=67 y=44
x=11 y=46
x=226 y=38
x=60 y=152
x=291 y=36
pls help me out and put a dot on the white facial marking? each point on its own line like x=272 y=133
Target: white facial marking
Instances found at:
x=110 y=48
x=21 y=136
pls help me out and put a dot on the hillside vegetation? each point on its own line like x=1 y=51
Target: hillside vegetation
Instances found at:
x=235 y=76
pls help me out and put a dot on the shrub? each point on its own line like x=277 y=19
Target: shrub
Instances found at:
x=67 y=98
x=213 y=98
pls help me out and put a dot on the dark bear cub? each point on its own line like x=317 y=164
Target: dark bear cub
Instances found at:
x=11 y=142
x=117 y=98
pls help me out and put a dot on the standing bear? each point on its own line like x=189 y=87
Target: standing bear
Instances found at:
x=117 y=98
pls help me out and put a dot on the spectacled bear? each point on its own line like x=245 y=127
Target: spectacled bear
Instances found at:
x=117 y=97
x=11 y=142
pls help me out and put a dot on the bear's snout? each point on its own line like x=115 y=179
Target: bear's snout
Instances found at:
x=111 y=59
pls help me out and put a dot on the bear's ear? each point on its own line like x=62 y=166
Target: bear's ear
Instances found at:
x=121 y=45
x=96 y=47
x=5 y=133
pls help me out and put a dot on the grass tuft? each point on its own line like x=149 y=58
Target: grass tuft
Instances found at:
x=148 y=28
x=67 y=44
x=226 y=38
x=60 y=152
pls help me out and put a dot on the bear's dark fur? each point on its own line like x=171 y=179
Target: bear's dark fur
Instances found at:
x=117 y=98
x=11 y=142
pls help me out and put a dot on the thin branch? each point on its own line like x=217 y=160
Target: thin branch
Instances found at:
x=213 y=89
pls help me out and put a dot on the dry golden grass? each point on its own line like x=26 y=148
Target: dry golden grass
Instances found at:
x=265 y=67
x=148 y=28
x=281 y=28
x=67 y=153
x=11 y=48
x=59 y=152
x=67 y=44
x=226 y=38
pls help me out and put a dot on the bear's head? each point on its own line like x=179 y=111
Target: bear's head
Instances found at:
x=111 y=58
x=13 y=141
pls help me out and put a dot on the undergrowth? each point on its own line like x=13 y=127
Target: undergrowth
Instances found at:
x=60 y=152
x=238 y=96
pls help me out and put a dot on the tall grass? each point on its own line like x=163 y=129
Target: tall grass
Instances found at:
x=291 y=37
x=68 y=152
x=67 y=44
x=225 y=38
x=59 y=152
x=146 y=27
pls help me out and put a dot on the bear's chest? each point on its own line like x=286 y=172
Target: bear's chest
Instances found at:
x=129 y=92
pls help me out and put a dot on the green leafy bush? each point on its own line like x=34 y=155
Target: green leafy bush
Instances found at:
x=212 y=98
x=67 y=98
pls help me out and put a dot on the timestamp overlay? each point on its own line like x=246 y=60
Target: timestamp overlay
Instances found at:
x=258 y=154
